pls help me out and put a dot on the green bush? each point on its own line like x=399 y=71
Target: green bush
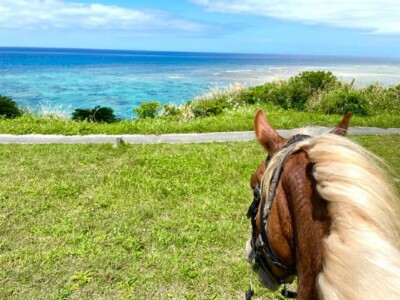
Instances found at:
x=293 y=93
x=298 y=92
x=341 y=101
x=383 y=100
x=96 y=114
x=210 y=107
x=277 y=93
x=170 y=110
x=317 y=80
x=147 y=110
x=9 y=108
x=299 y=89
x=287 y=94
x=217 y=100
x=254 y=94
x=272 y=92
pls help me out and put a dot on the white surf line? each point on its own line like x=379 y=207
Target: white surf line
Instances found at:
x=180 y=138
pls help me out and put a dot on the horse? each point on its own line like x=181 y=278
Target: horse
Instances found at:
x=323 y=211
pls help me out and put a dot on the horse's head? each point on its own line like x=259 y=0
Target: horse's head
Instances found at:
x=284 y=191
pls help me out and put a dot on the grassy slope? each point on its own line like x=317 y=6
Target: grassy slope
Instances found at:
x=139 y=222
x=238 y=120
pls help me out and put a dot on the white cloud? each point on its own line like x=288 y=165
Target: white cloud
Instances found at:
x=58 y=14
x=373 y=16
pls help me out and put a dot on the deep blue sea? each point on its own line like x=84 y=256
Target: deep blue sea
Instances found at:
x=77 y=78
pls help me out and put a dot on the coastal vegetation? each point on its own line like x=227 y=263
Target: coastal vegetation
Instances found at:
x=310 y=98
x=136 y=222
x=8 y=108
x=97 y=114
x=310 y=91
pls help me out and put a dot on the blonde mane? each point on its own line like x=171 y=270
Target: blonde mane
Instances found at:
x=362 y=250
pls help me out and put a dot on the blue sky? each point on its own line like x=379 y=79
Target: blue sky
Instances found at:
x=328 y=27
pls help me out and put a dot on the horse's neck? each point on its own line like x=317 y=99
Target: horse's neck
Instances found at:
x=311 y=223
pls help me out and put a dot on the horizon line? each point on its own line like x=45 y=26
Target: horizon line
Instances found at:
x=205 y=52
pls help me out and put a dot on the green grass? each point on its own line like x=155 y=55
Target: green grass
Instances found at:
x=137 y=222
x=237 y=120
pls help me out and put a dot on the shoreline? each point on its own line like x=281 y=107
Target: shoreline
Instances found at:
x=81 y=78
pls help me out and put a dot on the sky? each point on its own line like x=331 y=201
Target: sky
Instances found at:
x=310 y=27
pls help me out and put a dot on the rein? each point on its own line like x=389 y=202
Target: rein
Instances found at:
x=264 y=254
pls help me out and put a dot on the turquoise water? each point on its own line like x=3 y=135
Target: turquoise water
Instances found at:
x=75 y=78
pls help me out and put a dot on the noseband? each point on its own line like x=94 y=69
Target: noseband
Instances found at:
x=265 y=256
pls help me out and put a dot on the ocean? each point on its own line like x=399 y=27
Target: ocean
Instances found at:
x=82 y=78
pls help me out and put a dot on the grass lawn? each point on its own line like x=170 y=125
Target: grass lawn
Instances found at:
x=241 y=119
x=137 y=222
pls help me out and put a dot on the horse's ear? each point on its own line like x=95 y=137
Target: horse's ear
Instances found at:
x=341 y=129
x=267 y=136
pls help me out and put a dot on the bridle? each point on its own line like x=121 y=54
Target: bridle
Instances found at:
x=265 y=256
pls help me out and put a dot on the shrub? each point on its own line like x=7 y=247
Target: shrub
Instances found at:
x=299 y=89
x=293 y=93
x=171 y=110
x=254 y=94
x=96 y=114
x=383 y=100
x=278 y=93
x=287 y=94
x=298 y=93
x=268 y=92
x=147 y=110
x=317 y=80
x=9 y=108
x=341 y=101
x=217 y=100
x=206 y=108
